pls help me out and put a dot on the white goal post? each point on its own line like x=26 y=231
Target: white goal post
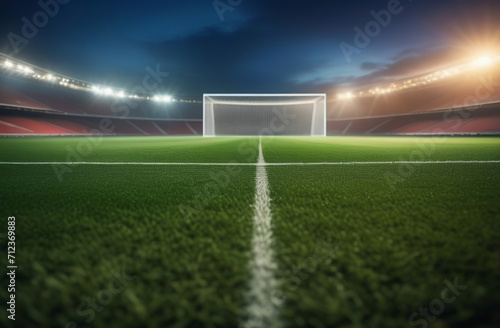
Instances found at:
x=264 y=114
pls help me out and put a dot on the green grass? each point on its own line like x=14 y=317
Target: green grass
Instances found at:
x=72 y=235
x=351 y=149
x=356 y=245
x=389 y=251
x=129 y=149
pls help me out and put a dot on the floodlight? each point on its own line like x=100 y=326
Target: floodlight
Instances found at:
x=165 y=98
x=347 y=95
x=483 y=61
x=27 y=70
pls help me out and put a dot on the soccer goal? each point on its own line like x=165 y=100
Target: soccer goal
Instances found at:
x=264 y=114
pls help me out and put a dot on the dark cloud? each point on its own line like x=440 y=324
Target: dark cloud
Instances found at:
x=370 y=66
x=261 y=46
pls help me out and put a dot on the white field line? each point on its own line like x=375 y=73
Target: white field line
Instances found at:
x=249 y=164
x=263 y=307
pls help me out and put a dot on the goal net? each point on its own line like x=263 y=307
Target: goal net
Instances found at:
x=264 y=114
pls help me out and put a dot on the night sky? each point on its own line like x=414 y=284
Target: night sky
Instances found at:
x=260 y=46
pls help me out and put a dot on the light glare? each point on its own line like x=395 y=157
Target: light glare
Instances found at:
x=165 y=98
x=483 y=61
x=41 y=74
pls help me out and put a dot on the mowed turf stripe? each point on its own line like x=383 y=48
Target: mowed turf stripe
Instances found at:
x=263 y=307
x=249 y=164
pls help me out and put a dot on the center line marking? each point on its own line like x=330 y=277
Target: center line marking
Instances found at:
x=264 y=306
x=249 y=164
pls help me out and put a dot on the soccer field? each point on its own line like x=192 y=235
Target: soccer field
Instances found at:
x=249 y=232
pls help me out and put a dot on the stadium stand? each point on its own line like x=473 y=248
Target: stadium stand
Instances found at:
x=479 y=124
x=31 y=107
x=175 y=127
x=485 y=120
x=12 y=97
x=197 y=126
x=33 y=125
x=25 y=122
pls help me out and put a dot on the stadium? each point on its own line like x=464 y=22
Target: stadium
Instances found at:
x=369 y=202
